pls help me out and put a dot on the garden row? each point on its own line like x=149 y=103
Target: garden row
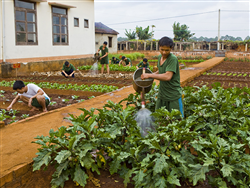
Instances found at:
x=228 y=74
x=61 y=95
x=209 y=146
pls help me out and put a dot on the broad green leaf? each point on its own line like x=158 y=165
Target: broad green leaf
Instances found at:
x=226 y=169
x=160 y=164
x=80 y=176
x=114 y=166
x=59 y=181
x=139 y=177
x=60 y=168
x=43 y=157
x=173 y=179
x=208 y=161
x=62 y=156
x=127 y=177
x=87 y=161
x=161 y=182
x=198 y=173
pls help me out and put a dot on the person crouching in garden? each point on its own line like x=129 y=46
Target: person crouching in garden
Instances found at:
x=68 y=70
x=30 y=94
x=125 y=62
x=104 y=56
x=115 y=60
x=143 y=63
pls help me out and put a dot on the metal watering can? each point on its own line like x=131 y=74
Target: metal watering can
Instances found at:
x=142 y=86
x=139 y=84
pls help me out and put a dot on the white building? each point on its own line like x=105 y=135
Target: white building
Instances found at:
x=39 y=30
x=104 y=33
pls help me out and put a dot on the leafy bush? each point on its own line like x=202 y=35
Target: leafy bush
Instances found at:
x=212 y=138
x=133 y=56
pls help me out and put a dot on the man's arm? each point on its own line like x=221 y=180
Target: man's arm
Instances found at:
x=13 y=102
x=120 y=62
x=104 y=55
x=162 y=77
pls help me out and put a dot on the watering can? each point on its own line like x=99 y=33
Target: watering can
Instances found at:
x=140 y=85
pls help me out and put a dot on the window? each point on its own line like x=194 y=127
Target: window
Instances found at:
x=86 y=23
x=25 y=23
x=110 y=42
x=96 y=43
x=76 y=22
x=60 y=26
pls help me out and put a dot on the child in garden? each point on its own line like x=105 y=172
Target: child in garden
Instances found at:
x=115 y=60
x=104 y=56
x=30 y=94
x=125 y=62
x=68 y=70
x=143 y=63
x=170 y=92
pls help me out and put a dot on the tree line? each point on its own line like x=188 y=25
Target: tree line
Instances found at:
x=181 y=33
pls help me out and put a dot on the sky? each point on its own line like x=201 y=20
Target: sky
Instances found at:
x=202 y=19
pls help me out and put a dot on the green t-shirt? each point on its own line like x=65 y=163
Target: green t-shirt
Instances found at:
x=103 y=52
x=115 y=61
x=127 y=62
x=67 y=69
x=169 y=90
x=141 y=64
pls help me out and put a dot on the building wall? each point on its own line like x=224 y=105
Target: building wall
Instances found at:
x=1 y=39
x=81 y=40
x=237 y=55
x=100 y=38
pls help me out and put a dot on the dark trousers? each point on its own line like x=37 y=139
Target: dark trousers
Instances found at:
x=68 y=73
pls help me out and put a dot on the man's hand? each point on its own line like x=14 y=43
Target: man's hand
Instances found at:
x=30 y=101
x=9 y=107
x=70 y=75
x=100 y=58
x=66 y=75
x=144 y=76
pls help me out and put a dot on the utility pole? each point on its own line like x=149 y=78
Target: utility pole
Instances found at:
x=3 y=31
x=218 y=44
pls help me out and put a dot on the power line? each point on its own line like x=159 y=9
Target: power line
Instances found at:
x=163 y=18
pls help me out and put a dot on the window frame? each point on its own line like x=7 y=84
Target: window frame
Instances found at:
x=110 y=41
x=26 y=10
x=78 y=23
x=84 y=23
x=60 y=25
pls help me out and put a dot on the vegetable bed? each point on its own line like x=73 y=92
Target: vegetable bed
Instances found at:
x=229 y=74
x=210 y=147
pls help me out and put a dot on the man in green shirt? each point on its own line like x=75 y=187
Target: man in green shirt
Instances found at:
x=168 y=73
x=68 y=70
x=104 y=56
x=115 y=60
x=143 y=63
x=125 y=61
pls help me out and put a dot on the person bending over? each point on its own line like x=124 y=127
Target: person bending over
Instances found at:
x=68 y=70
x=125 y=62
x=115 y=60
x=143 y=63
x=30 y=94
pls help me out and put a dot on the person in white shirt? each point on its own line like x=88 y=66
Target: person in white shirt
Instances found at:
x=30 y=94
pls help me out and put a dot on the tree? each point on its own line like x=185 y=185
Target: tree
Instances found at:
x=130 y=35
x=144 y=34
x=181 y=32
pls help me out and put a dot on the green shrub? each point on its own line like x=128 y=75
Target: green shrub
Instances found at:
x=209 y=57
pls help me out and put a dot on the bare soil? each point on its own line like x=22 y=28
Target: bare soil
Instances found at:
x=226 y=81
x=57 y=101
x=119 y=82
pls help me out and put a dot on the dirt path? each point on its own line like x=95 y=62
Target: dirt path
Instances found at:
x=16 y=148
